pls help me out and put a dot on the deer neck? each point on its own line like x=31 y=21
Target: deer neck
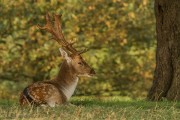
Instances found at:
x=67 y=79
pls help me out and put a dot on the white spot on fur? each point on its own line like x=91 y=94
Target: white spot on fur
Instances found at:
x=69 y=90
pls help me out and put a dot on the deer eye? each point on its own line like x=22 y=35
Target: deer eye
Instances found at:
x=80 y=63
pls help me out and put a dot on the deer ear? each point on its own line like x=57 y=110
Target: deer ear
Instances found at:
x=65 y=55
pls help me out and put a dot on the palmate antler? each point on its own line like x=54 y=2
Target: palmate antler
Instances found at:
x=56 y=31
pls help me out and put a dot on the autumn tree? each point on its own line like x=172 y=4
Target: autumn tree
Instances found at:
x=120 y=34
x=166 y=82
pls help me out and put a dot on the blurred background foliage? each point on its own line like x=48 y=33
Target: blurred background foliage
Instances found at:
x=120 y=33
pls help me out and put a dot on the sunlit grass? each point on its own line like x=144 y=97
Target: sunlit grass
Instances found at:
x=95 y=108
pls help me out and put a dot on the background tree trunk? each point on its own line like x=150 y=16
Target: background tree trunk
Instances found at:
x=167 y=73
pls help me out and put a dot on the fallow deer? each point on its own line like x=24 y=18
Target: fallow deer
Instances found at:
x=60 y=89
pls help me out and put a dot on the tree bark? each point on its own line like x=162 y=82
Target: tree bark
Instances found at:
x=166 y=83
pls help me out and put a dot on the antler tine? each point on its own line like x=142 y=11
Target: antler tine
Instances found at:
x=83 y=51
x=49 y=28
x=68 y=46
x=57 y=33
x=58 y=27
x=48 y=25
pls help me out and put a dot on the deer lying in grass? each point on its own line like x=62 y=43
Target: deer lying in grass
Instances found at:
x=60 y=89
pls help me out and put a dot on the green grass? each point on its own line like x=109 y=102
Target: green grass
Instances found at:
x=92 y=108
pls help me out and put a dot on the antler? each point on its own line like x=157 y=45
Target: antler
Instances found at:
x=56 y=31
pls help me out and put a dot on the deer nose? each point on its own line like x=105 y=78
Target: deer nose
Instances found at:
x=92 y=72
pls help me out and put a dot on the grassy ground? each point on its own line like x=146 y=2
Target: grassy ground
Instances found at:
x=88 y=108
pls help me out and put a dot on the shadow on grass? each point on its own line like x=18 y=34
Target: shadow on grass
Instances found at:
x=107 y=102
x=124 y=104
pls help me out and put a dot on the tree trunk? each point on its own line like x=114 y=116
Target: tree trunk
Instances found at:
x=166 y=82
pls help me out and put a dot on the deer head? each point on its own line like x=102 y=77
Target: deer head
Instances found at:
x=69 y=53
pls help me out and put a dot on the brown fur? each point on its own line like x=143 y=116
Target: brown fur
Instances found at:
x=40 y=92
